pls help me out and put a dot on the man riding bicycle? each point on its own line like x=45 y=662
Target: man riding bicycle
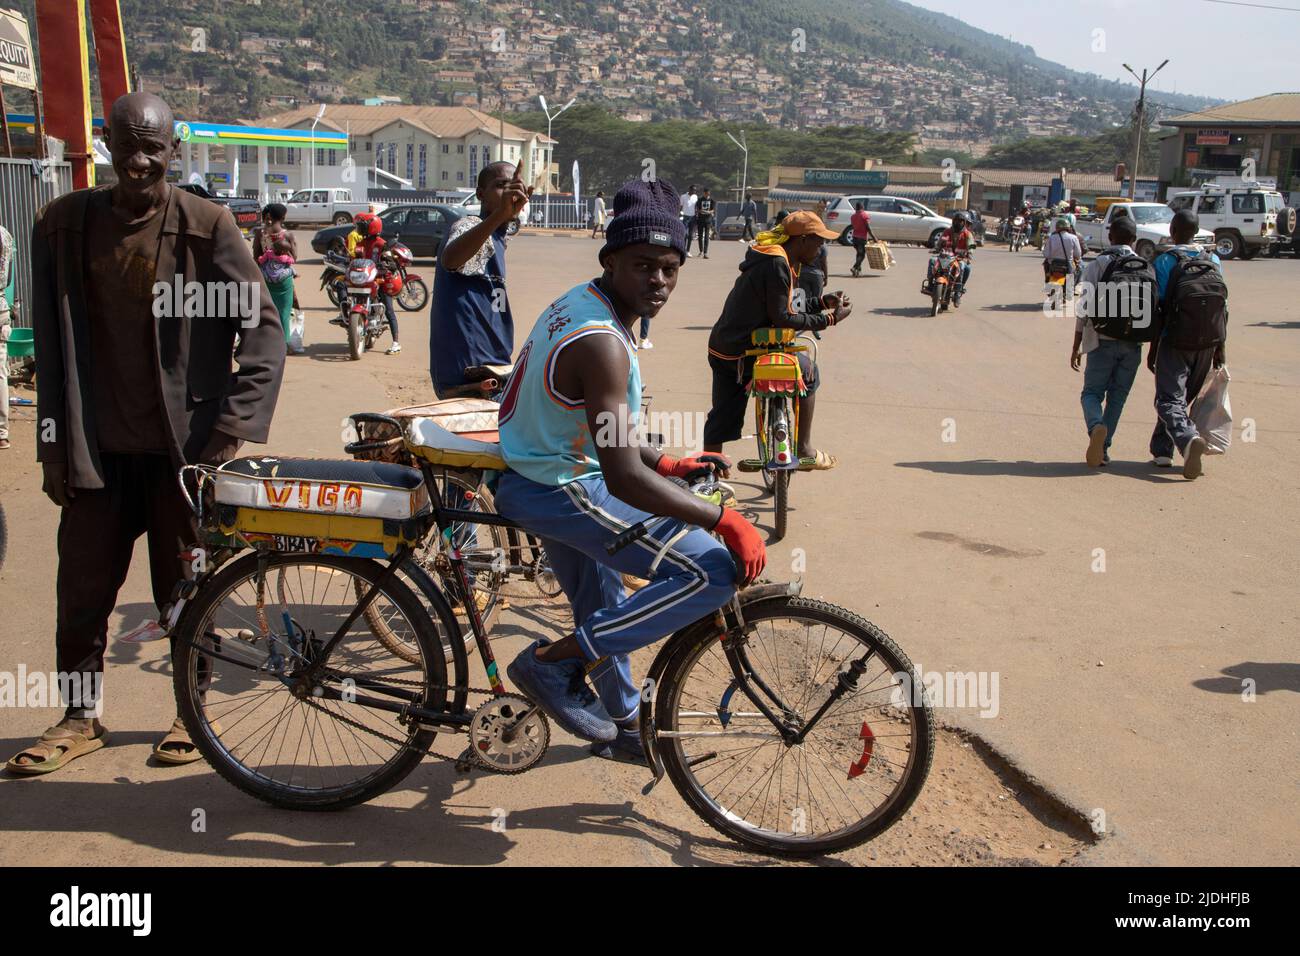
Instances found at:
x=769 y=292
x=578 y=477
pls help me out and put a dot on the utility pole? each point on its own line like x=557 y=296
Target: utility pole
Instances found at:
x=1141 y=122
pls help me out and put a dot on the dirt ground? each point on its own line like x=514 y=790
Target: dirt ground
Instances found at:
x=1158 y=696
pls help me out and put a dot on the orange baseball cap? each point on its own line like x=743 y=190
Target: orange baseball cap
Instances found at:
x=803 y=223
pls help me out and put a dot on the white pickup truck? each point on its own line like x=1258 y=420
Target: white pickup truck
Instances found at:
x=335 y=205
x=1152 y=220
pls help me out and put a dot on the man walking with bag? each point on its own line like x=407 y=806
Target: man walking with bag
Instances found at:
x=1190 y=341
x=1114 y=316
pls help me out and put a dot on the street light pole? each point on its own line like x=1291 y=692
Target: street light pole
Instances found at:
x=744 y=181
x=1141 y=122
x=319 y=113
x=550 y=118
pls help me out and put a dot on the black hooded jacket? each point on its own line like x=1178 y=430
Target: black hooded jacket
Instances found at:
x=761 y=298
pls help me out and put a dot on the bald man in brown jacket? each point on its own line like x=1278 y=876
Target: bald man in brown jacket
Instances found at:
x=139 y=292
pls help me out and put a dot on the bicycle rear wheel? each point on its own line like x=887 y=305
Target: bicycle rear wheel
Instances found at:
x=240 y=644
x=855 y=773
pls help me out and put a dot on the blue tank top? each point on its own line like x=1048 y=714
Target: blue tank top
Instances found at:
x=544 y=433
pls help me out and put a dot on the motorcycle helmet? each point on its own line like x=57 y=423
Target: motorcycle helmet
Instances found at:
x=360 y=220
x=375 y=226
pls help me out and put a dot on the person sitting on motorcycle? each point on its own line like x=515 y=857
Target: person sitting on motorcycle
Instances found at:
x=770 y=292
x=1062 y=244
x=958 y=240
x=358 y=234
x=373 y=249
x=579 y=476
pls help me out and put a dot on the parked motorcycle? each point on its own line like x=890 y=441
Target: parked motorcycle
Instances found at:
x=414 y=294
x=334 y=277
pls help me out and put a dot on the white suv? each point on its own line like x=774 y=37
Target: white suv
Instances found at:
x=1243 y=216
x=892 y=219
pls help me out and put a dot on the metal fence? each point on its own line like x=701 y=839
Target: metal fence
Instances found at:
x=25 y=186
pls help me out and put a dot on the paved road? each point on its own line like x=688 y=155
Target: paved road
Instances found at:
x=1119 y=690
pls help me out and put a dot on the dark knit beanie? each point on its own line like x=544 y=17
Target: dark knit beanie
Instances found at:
x=646 y=212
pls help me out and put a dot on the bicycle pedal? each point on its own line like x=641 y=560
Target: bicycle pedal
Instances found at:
x=749 y=464
x=466 y=762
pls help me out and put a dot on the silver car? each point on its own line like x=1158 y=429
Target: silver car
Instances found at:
x=893 y=219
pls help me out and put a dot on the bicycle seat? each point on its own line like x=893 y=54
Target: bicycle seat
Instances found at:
x=342 y=471
x=428 y=440
x=474 y=418
x=481 y=373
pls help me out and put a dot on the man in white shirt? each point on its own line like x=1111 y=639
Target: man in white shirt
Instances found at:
x=598 y=215
x=689 y=199
x=1112 y=363
x=1062 y=244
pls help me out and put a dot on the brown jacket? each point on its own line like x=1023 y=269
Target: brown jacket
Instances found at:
x=200 y=241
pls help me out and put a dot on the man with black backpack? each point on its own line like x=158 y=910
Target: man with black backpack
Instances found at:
x=1115 y=314
x=1189 y=342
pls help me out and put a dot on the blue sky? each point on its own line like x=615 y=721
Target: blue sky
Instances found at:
x=1214 y=49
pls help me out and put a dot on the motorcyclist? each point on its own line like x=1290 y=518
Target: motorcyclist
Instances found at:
x=372 y=248
x=358 y=234
x=1062 y=244
x=958 y=240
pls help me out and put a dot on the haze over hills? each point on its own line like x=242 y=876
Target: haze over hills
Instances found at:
x=882 y=64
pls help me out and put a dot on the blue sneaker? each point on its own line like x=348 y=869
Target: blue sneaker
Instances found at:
x=625 y=748
x=561 y=690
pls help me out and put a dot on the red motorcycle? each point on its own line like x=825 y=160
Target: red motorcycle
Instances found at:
x=415 y=294
x=361 y=306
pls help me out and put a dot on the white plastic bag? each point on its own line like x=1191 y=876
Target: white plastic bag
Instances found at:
x=1211 y=412
x=297 y=325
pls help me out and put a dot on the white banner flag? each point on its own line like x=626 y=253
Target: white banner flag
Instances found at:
x=577 y=191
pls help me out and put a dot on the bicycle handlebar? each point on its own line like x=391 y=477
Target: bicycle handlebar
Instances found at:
x=642 y=528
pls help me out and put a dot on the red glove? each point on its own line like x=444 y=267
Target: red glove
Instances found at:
x=691 y=468
x=745 y=544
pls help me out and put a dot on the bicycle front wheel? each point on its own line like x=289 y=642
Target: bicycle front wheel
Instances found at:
x=240 y=645
x=854 y=773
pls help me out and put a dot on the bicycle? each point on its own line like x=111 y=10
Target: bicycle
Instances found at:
x=776 y=383
x=789 y=725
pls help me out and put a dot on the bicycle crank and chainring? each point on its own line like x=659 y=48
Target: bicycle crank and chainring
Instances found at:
x=508 y=734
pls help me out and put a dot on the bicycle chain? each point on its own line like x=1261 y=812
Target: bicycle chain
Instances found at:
x=393 y=740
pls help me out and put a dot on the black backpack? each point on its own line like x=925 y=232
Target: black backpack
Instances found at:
x=1196 y=303
x=1125 y=300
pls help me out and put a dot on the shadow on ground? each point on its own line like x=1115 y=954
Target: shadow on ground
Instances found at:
x=990 y=468
x=162 y=814
x=1267 y=678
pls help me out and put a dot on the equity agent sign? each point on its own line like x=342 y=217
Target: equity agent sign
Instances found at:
x=16 y=51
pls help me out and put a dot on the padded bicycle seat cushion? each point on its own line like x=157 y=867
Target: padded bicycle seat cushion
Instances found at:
x=479 y=373
x=474 y=418
x=427 y=439
x=347 y=471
